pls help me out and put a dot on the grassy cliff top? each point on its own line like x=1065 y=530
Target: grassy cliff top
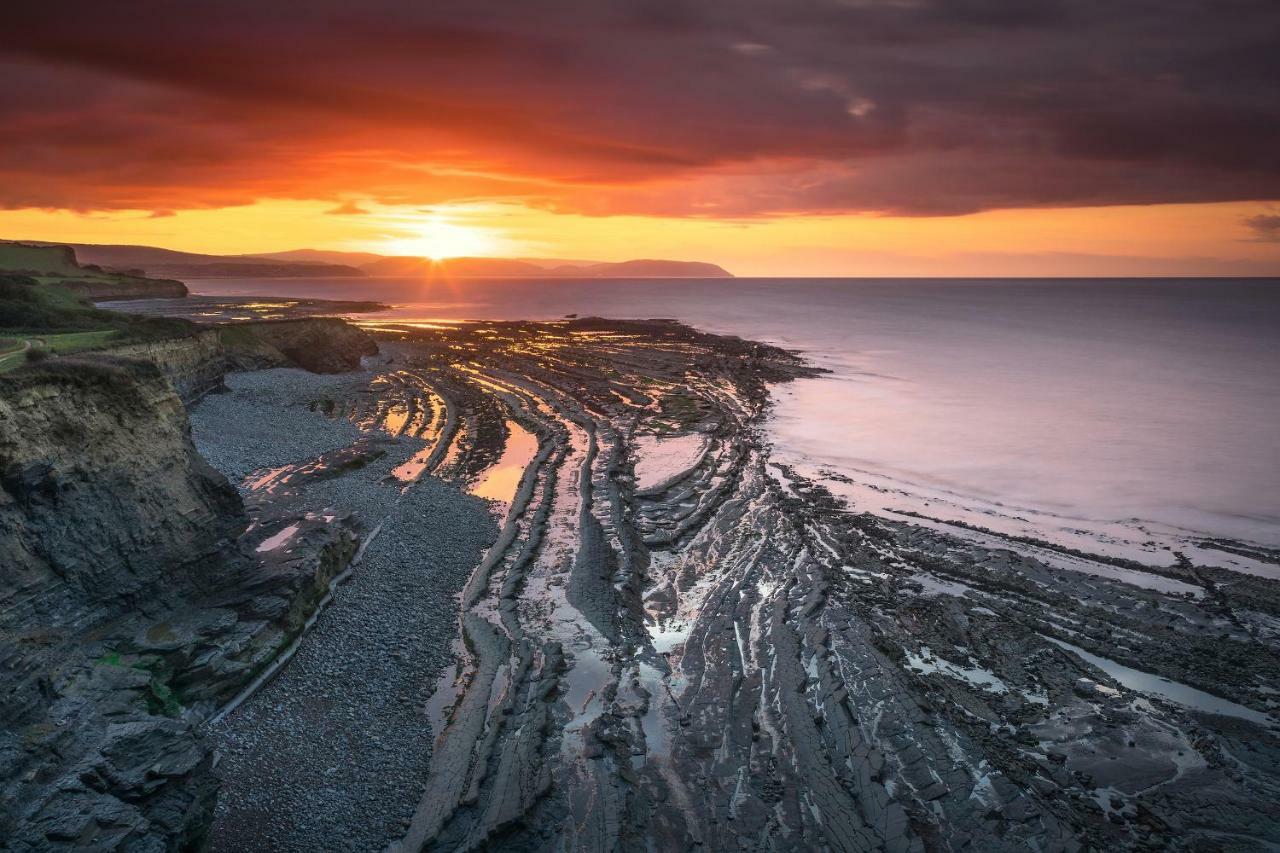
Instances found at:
x=38 y=318
x=50 y=261
x=46 y=307
x=49 y=264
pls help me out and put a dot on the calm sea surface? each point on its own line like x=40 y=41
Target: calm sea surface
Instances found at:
x=1130 y=411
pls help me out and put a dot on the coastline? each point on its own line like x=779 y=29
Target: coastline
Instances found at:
x=330 y=750
x=970 y=392
x=660 y=634
x=579 y=621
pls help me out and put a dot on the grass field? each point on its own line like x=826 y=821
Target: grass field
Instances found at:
x=44 y=307
x=51 y=261
x=13 y=352
x=77 y=341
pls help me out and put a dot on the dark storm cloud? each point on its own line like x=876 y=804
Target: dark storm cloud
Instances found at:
x=714 y=108
x=1265 y=227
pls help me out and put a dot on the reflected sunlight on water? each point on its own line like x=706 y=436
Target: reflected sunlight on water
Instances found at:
x=1053 y=399
x=499 y=481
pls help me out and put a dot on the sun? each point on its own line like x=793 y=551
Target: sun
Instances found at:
x=437 y=238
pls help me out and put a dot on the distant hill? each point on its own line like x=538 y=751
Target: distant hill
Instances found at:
x=318 y=256
x=38 y=259
x=150 y=260
x=153 y=261
x=234 y=268
x=460 y=267
x=57 y=265
x=374 y=264
x=530 y=268
x=646 y=269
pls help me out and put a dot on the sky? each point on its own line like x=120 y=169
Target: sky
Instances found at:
x=775 y=137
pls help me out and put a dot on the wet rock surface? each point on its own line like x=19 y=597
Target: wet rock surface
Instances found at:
x=728 y=657
x=699 y=651
x=317 y=344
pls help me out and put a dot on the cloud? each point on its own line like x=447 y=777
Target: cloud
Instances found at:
x=347 y=208
x=1265 y=227
x=681 y=108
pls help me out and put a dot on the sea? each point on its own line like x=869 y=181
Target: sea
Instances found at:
x=1137 y=418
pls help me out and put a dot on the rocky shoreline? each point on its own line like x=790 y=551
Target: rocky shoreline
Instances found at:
x=718 y=653
x=332 y=753
x=137 y=598
x=656 y=637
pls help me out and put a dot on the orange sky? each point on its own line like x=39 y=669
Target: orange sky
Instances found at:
x=1200 y=239
x=823 y=138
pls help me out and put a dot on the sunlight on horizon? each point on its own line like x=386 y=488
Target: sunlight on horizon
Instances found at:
x=436 y=238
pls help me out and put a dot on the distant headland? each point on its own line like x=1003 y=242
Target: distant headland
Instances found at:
x=168 y=263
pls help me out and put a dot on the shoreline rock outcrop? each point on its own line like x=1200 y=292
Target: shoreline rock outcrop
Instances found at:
x=317 y=344
x=134 y=596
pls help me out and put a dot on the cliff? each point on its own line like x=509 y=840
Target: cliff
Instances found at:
x=133 y=601
x=514 y=268
x=38 y=259
x=58 y=264
x=126 y=287
x=169 y=262
x=103 y=501
x=83 y=511
x=318 y=344
x=196 y=363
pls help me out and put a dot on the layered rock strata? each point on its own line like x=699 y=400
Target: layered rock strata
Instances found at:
x=136 y=596
x=677 y=644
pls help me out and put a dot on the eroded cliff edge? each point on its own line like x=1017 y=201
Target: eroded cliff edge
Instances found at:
x=134 y=601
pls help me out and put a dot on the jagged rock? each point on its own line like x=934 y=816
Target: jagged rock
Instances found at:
x=125 y=599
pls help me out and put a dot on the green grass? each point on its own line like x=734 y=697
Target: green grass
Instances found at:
x=160 y=697
x=237 y=335
x=62 y=344
x=10 y=360
x=86 y=275
x=161 y=700
x=59 y=321
x=44 y=307
x=77 y=341
x=47 y=260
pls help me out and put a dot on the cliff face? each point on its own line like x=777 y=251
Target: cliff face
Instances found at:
x=195 y=365
x=102 y=489
x=104 y=505
x=132 y=600
x=127 y=287
x=318 y=344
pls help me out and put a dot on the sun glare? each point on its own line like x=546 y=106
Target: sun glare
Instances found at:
x=438 y=239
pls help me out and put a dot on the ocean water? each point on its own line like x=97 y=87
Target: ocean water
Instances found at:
x=1132 y=417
